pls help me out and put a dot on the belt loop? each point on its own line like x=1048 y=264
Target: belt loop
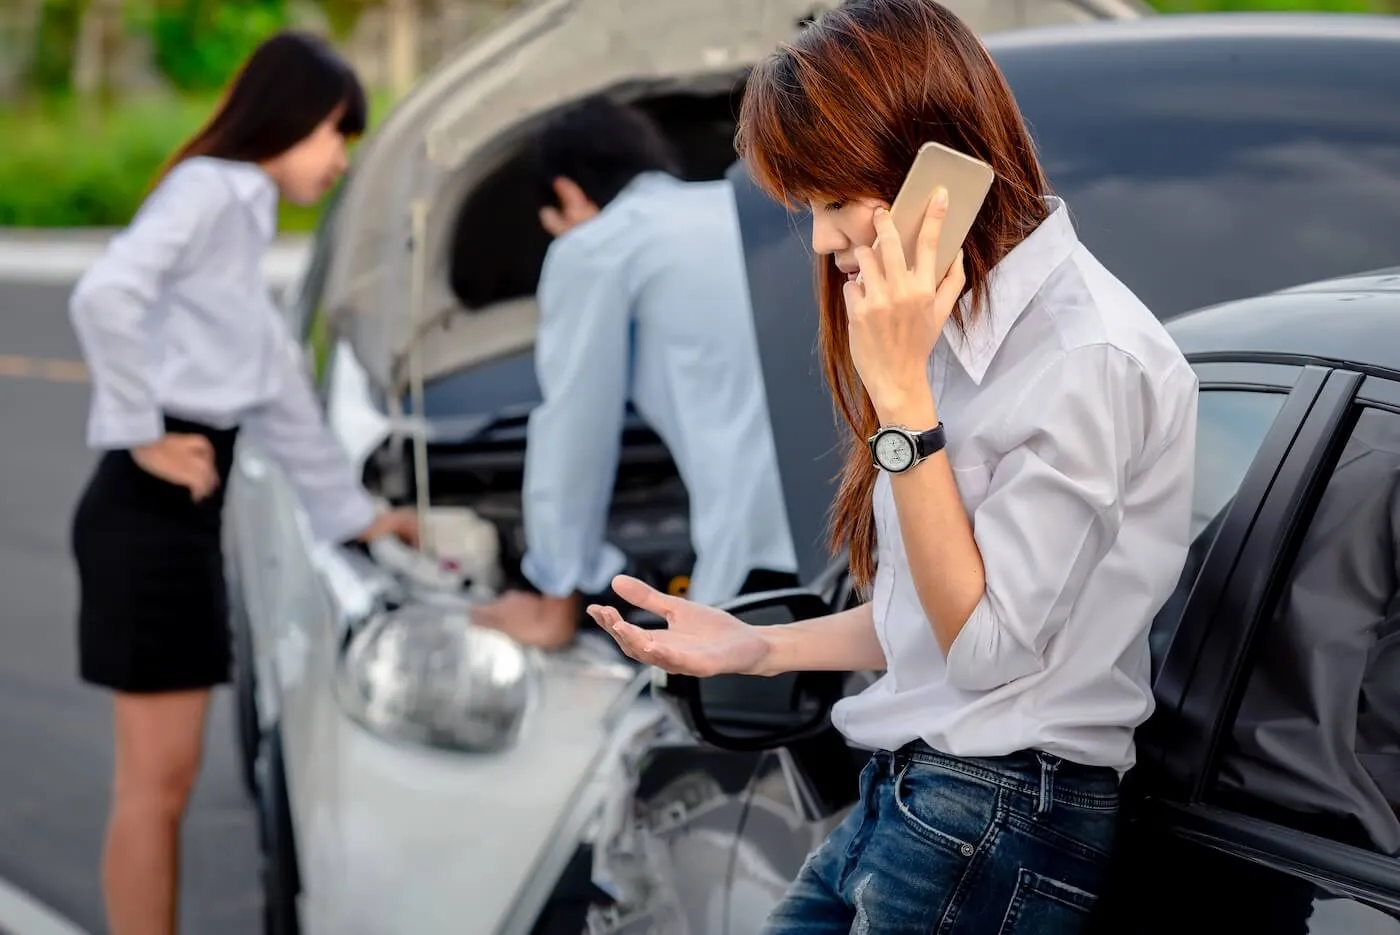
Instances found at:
x=1048 y=765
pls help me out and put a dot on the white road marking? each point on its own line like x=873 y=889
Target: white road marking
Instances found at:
x=54 y=370
x=21 y=914
x=58 y=262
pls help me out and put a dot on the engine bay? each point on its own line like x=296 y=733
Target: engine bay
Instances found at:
x=474 y=530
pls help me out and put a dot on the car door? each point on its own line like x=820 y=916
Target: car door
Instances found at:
x=1279 y=812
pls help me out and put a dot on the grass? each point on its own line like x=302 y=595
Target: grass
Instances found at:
x=74 y=164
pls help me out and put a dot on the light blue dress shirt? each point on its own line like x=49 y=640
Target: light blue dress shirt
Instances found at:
x=175 y=317
x=649 y=302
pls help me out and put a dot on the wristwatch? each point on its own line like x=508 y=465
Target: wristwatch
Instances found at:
x=896 y=449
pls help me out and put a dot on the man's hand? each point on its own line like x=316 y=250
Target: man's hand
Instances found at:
x=532 y=619
x=574 y=208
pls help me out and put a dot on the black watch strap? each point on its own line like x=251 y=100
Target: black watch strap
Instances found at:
x=930 y=443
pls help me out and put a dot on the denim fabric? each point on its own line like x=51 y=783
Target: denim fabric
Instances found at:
x=1014 y=845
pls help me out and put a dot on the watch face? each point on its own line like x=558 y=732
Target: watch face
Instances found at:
x=894 y=451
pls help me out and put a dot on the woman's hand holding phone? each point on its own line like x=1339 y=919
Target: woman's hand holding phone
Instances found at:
x=181 y=459
x=896 y=311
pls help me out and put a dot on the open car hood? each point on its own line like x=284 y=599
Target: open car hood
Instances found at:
x=454 y=144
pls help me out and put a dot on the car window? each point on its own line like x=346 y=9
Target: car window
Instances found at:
x=1316 y=742
x=1207 y=170
x=1230 y=427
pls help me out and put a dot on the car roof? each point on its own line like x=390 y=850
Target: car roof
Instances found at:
x=1309 y=27
x=1350 y=319
x=1257 y=132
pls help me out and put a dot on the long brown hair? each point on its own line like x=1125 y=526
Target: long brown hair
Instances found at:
x=840 y=112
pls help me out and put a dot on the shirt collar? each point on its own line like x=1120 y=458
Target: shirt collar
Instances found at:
x=256 y=189
x=645 y=180
x=1012 y=285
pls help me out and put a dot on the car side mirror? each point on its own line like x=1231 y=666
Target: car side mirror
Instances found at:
x=750 y=712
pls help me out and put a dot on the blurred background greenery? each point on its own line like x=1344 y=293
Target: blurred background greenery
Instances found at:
x=94 y=94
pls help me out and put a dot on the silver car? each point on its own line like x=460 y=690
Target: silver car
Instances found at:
x=415 y=773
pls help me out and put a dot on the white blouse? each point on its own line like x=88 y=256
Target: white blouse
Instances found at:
x=1071 y=423
x=175 y=317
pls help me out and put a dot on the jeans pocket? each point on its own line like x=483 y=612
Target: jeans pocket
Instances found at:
x=945 y=808
x=1045 y=906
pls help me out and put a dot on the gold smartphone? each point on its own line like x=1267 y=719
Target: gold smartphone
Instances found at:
x=967 y=179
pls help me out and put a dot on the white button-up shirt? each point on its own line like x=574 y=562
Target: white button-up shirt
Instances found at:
x=175 y=317
x=1070 y=417
x=649 y=302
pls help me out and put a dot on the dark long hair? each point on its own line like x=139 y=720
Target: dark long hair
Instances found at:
x=290 y=84
x=839 y=113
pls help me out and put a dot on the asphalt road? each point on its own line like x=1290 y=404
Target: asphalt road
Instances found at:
x=55 y=743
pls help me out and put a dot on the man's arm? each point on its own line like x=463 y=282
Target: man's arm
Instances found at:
x=582 y=357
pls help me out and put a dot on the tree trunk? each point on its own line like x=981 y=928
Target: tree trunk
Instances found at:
x=100 y=47
x=51 y=67
x=402 y=35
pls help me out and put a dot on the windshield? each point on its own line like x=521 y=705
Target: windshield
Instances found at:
x=1209 y=170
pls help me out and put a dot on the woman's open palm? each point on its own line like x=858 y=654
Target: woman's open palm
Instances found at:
x=699 y=640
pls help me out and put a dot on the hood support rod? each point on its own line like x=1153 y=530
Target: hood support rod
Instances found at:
x=418 y=211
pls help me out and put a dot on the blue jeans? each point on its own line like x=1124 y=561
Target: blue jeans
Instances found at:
x=1013 y=845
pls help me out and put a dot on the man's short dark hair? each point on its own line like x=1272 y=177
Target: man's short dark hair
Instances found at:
x=602 y=145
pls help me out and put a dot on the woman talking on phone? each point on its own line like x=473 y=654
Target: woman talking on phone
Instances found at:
x=1016 y=555
x=186 y=350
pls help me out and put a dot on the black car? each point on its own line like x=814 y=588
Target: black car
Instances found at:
x=1266 y=792
x=1268 y=784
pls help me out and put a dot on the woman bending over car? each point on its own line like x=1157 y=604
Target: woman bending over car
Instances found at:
x=186 y=351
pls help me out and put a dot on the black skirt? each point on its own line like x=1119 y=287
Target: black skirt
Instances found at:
x=153 y=605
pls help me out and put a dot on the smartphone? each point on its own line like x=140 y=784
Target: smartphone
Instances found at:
x=967 y=179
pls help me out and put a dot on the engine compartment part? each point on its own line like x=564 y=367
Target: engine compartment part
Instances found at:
x=459 y=556
x=476 y=482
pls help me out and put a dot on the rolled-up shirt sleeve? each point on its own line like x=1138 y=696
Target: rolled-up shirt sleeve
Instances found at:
x=1052 y=511
x=582 y=360
x=291 y=429
x=112 y=306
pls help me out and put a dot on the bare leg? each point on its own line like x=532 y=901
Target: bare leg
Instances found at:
x=159 y=738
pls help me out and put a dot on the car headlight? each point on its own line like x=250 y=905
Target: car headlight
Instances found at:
x=428 y=675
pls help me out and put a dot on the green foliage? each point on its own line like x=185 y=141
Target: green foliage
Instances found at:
x=66 y=164
x=55 y=44
x=342 y=15
x=69 y=164
x=199 y=44
x=1296 y=6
